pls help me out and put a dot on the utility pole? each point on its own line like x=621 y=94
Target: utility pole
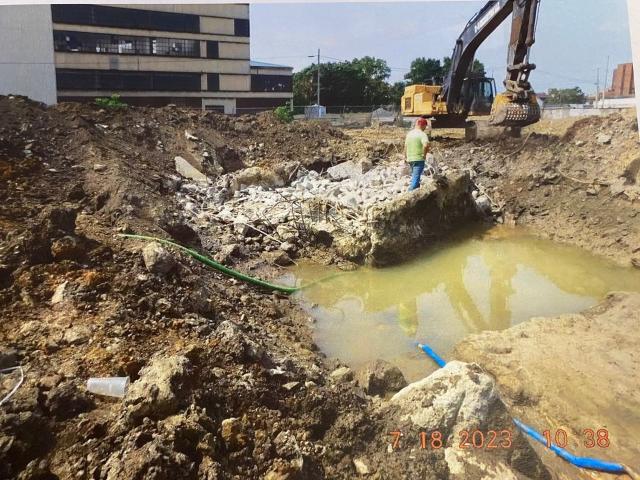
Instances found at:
x=318 y=95
x=597 y=89
x=606 y=81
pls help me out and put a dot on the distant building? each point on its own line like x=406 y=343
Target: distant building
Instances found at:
x=623 y=84
x=190 y=55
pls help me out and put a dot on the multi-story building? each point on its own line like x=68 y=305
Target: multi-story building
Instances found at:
x=622 y=84
x=188 y=55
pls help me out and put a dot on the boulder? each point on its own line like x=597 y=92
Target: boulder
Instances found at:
x=159 y=390
x=603 y=139
x=459 y=398
x=380 y=377
x=157 y=259
x=255 y=176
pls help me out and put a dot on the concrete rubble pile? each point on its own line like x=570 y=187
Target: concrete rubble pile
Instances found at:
x=349 y=205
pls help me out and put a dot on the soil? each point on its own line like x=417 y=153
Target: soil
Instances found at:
x=247 y=394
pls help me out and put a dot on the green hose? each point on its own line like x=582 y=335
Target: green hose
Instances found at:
x=228 y=271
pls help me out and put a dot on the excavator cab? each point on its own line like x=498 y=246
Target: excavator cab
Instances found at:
x=478 y=94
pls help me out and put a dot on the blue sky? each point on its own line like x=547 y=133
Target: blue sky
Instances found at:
x=574 y=37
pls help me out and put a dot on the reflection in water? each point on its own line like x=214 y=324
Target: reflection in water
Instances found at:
x=490 y=281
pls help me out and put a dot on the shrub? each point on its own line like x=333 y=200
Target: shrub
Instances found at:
x=284 y=114
x=113 y=102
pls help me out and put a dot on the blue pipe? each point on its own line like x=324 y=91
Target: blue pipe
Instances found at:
x=429 y=351
x=581 y=462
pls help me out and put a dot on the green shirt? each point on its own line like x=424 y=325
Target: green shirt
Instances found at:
x=415 y=142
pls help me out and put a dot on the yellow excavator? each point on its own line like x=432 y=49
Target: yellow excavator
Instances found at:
x=465 y=94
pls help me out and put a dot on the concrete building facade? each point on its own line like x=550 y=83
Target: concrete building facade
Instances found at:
x=633 y=7
x=188 y=55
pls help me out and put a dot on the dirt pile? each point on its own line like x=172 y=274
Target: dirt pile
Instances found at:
x=579 y=187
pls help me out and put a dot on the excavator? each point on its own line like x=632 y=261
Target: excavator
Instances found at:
x=465 y=94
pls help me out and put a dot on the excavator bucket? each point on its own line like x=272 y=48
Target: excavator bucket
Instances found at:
x=507 y=112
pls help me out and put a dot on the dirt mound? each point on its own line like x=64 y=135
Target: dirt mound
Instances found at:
x=579 y=187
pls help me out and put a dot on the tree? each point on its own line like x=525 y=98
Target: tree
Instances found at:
x=396 y=91
x=563 y=96
x=431 y=71
x=361 y=81
x=425 y=70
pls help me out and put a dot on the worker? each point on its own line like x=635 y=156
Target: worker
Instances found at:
x=416 y=148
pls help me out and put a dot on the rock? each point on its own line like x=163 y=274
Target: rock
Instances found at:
x=231 y=431
x=67 y=248
x=286 y=445
x=77 y=335
x=58 y=220
x=635 y=262
x=579 y=143
x=461 y=397
x=255 y=176
x=227 y=253
x=58 y=294
x=159 y=390
x=287 y=232
x=189 y=136
x=277 y=257
x=288 y=247
x=351 y=169
x=603 y=139
x=67 y=400
x=342 y=374
x=380 y=377
x=592 y=191
x=483 y=204
x=361 y=467
x=291 y=386
x=99 y=167
x=157 y=259
x=138 y=458
x=187 y=170
x=8 y=357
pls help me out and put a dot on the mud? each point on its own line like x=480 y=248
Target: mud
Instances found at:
x=227 y=382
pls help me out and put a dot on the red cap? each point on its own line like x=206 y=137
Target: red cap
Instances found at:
x=422 y=122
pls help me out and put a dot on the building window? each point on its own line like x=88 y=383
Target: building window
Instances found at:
x=271 y=83
x=241 y=27
x=213 y=50
x=213 y=82
x=71 y=79
x=103 y=16
x=67 y=41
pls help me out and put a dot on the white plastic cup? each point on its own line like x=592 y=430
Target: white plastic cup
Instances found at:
x=109 y=386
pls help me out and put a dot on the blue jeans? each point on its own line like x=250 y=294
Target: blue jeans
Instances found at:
x=416 y=172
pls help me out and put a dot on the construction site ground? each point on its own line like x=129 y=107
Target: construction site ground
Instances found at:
x=226 y=379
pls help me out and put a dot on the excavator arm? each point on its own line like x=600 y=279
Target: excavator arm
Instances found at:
x=517 y=106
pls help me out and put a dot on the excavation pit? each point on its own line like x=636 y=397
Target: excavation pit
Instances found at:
x=487 y=280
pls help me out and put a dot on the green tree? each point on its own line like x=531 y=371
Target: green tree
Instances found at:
x=396 y=91
x=425 y=70
x=431 y=70
x=563 y=96
x=361 y=81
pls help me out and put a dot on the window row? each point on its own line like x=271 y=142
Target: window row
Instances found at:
x=271 y=83
x=114 y=80
x=104 y=16
x=65 y=41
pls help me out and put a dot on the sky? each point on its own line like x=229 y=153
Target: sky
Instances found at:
x=574 y=37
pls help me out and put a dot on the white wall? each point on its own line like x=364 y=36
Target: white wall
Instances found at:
x=634 y=26
x=26 y=56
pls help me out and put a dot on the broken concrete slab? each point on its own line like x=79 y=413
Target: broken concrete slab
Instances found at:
x=187 y=170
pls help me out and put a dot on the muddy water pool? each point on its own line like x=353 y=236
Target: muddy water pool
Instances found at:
x=489 y=280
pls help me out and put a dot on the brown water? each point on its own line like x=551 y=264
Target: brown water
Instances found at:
x=486 y=281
